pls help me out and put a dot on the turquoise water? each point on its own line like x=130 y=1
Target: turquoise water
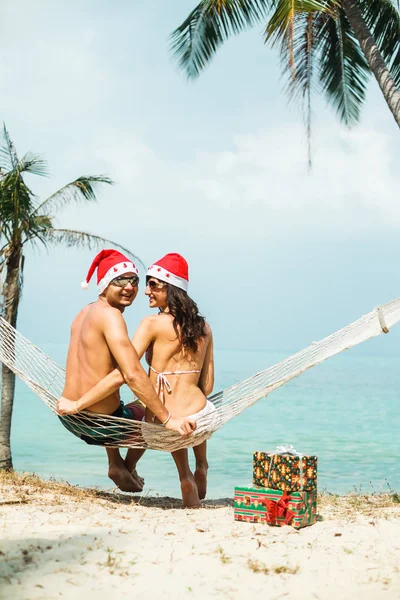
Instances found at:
x=346 y=411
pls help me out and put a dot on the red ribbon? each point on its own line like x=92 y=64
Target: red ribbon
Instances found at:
x=278 y=509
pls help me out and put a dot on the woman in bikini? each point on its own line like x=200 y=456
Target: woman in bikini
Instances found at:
x=179 y=350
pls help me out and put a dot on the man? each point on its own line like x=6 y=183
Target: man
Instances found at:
x=99 y=343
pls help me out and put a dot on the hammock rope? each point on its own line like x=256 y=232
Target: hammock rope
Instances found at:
x=46 y=378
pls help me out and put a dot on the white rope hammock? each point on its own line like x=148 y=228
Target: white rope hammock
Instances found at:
x=46 y=379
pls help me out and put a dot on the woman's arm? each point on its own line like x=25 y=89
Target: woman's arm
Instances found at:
x=107 y=386
x=144 y=336
x=206 y=380
x=112 y=382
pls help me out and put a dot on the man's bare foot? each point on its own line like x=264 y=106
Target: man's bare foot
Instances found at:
x=123 y=479
x=132 y=457
x=190 y=495
x=137 y=477
x=200 y=477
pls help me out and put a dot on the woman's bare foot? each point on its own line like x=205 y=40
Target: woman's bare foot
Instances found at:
x=190 y=495
x=200 y=477
x=123 y=479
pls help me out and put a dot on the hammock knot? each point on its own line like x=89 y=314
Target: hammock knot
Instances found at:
x=382 y=321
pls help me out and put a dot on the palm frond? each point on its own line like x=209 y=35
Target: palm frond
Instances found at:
x=82 y=189
x=304 y=61
x=282 y=21
x=81 y=239
x=195 y=42
x=292 y=24
x=8 y=153
x=35 y=227
x=383 y=19
x=34 y=164
x=344 y=71
x=16 y=204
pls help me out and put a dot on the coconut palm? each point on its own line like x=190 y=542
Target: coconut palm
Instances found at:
x=25 y=222
x=330 y=46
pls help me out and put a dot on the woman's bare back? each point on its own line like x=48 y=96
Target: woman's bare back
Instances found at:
x=166 y=356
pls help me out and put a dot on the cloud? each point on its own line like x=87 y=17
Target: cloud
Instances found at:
x=260 y=186
x=353 y=185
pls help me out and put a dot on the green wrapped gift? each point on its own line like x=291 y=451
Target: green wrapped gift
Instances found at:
x=285 y=469
x=275 y=507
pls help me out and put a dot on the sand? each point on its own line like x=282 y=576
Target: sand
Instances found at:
x=57 y=541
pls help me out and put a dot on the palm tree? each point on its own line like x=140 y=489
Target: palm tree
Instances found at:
x=24 y=222
x=340 y=41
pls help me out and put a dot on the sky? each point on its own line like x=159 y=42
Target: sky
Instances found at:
x=215 y=169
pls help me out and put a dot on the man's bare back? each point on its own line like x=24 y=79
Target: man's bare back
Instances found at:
x=89 y=357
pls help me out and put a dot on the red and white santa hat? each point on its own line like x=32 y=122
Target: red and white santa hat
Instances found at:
x=171 y=268
x=109 y=264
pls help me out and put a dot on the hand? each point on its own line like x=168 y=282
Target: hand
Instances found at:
x=183 y=426
x=66 y=407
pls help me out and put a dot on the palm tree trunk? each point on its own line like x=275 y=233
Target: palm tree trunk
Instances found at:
x=374 y=57
x=11 y=301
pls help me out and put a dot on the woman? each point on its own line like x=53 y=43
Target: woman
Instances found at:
x=179 y=350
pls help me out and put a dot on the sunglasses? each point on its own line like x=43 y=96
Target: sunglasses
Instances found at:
x=155 y=285
x=123 y=281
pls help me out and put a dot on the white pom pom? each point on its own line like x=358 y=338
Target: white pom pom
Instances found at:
x=84 y=285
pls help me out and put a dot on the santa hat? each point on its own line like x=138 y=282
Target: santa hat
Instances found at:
x=171 y=268
x=109 y=264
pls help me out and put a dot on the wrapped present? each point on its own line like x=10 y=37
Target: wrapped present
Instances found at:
x=285 y=469
x=275 y=507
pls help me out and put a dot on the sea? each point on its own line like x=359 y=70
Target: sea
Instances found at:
x=345 y=411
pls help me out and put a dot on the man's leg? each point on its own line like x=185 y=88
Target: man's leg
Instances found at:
x=131 y=459
x=200 y=474
x=119 y=474
x=190 y=495
x=133 y=455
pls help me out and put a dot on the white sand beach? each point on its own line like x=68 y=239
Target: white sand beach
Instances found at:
x=58 y=541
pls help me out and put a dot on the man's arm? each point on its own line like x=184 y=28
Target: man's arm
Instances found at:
x=113 y=381
x=104 y=388
x=116 y=336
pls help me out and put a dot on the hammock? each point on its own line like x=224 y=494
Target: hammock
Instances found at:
x=46 y=379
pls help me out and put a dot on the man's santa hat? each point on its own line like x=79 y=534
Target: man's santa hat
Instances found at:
x=109 y=264
x=171 y=268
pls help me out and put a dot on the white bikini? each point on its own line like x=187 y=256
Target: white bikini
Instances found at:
x=163 y=383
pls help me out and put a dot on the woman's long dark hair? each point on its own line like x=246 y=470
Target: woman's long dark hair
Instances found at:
x=189 y=326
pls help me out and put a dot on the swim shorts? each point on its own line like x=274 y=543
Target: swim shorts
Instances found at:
x=89 y=431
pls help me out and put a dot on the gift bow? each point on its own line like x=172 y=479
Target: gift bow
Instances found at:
x=278 y=509
x=289 y=449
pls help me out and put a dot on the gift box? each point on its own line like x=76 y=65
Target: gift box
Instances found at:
x=285 y=469
x=275 y=507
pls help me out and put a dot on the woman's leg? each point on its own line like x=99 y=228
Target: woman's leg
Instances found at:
x=190 y=495
x=200 y=474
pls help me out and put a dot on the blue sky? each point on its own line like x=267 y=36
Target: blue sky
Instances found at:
x=215 y=169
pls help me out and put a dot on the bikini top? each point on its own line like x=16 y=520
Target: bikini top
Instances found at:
x=163 y=383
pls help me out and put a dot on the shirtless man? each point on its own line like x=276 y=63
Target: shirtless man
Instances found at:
x=100 y=343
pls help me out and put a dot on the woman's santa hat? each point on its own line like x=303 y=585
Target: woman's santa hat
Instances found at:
x=109 y=264
x=171 y=268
